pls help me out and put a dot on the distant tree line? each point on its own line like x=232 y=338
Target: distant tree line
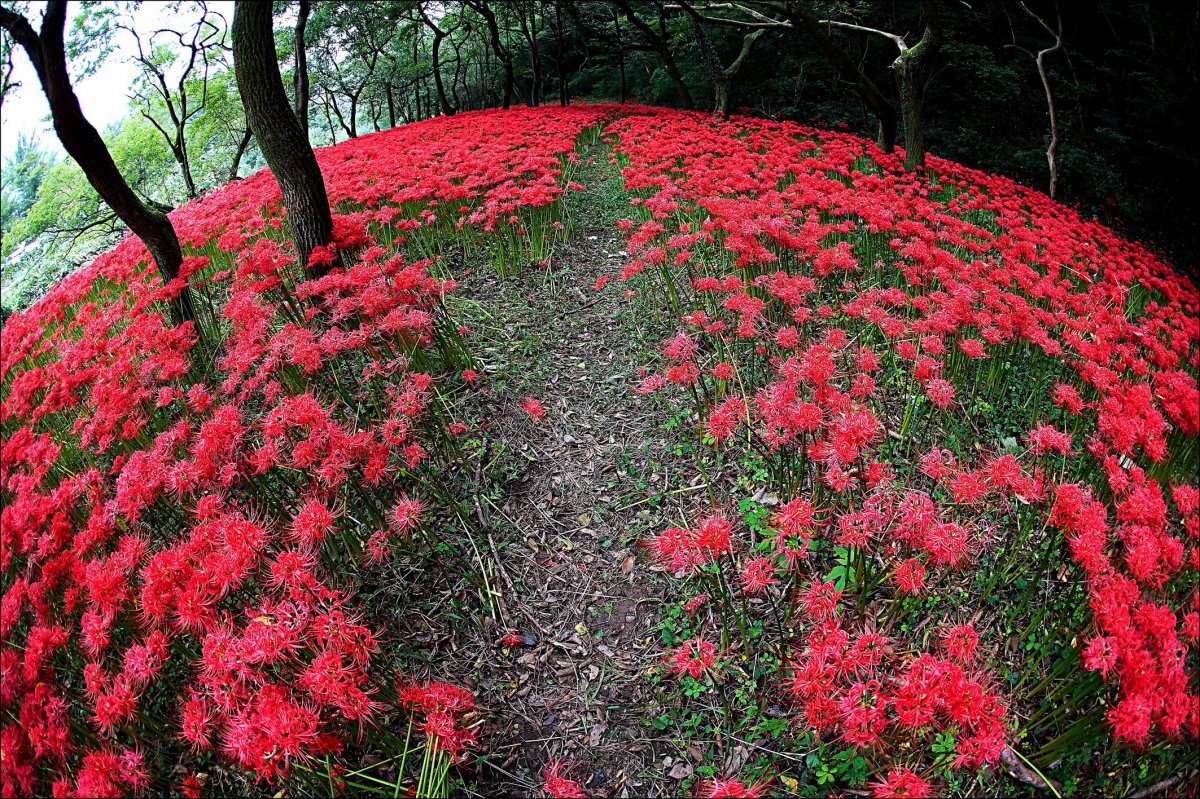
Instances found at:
x=1084 y=101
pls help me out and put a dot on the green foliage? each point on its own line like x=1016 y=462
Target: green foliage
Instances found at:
x=67 y=224
x=20 y=178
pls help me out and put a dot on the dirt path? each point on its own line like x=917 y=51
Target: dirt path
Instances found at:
x=565 y=528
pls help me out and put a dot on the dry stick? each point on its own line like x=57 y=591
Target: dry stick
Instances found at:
x=1153 y=789
x=487 y=531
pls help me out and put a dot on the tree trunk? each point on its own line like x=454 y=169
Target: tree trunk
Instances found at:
x=711 y=60
x=659 y=42
x=681 y=89
x=391 y=102
x=535 y=62
x=489 y=17
x=337 y=112
x=848 y=70
x=1040 y=58
x=301 y=76
x=275 y=126
x=1052 y=149
x=83 y=143
x=909 y=70
x=458 y=80
x=329 y=121
x=560 y=55
x=179 y=150
x=237 y=156
x=438 y=36
x=908 y=87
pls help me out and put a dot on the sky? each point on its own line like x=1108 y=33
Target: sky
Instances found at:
x=104 y=96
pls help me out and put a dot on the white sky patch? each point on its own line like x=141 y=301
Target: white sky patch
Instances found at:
x=104 y=96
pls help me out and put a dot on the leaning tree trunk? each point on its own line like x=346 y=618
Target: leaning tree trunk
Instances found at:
x=82 y=142
x=712 y=62
x=185 y=166
x=1040 y=59
x=238 y=155
x=535 y=61
x=280 y=138
x=659 y=41
x=301 y=76
x=438 y=36
x=848 y=70
x=489 y=17
x=560 y=56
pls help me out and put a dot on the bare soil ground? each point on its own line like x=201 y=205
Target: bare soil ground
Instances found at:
x=564 y=504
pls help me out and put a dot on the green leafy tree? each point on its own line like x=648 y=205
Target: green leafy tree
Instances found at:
x=20 y=178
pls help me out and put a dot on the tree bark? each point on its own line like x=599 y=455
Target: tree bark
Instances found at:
x=848 y=70
x=47 y=52
x=712 y=61
x=329 y=119
x=489 y=17
x=239 y=153
x=438 y=36
x=300 y=79
x=909 y=69
x=275 y=126
x=1052 y=149
x=659 y=43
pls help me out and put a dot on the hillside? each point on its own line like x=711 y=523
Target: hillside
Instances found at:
x=625 y=451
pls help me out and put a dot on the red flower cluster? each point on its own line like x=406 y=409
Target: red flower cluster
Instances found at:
x=677 y=548
x=556 y=784
x=866 y=311
x=693 y=657
x=855 y=686
x=173 y=511
x=444 y=707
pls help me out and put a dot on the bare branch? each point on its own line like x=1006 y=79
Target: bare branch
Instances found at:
x=897 y=40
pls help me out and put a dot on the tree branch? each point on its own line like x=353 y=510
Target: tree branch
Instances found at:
x=897 y=40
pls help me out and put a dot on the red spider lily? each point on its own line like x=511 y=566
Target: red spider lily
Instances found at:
x=910 y=576
x=960 y=642
x=677 y=548
x=556 y=783
x=443 y=706
x=534 y=408
x=901 y=782
x=693 y=657
x=758 y=574
x=729 y=787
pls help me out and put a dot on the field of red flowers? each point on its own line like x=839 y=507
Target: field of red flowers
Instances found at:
x=944 y=537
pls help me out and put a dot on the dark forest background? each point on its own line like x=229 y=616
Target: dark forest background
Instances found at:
x=962 y=76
